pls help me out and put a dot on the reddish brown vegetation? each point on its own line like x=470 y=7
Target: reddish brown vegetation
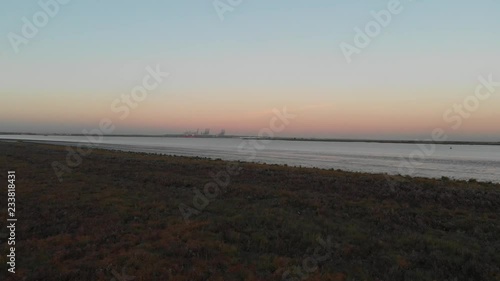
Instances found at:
x=120 y=210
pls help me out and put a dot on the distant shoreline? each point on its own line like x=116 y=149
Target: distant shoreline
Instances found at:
x=277 y=138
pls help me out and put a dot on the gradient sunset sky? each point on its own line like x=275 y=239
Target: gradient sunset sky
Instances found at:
x=265 y=54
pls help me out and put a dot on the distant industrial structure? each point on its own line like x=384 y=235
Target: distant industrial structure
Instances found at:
x=204 y=134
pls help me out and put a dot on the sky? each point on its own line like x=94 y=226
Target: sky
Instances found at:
x=228 y=69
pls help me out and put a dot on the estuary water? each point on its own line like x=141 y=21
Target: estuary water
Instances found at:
x=480 y=162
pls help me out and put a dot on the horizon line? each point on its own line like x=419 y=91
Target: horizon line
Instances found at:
x=369 y=140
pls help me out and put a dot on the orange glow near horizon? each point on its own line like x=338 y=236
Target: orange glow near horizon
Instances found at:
x=343 y=118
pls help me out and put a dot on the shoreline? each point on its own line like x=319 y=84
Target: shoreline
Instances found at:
x=488 y=143
x=129 y=148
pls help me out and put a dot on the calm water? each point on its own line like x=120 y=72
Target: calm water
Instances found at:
x=460 y=162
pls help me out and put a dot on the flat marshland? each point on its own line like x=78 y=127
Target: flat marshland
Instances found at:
x=118 y=212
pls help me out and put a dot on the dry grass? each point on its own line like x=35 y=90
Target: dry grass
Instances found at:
x=121 y=210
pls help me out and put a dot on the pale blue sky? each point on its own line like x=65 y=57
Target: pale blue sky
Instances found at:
x=264 y=54
x=127 y=29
